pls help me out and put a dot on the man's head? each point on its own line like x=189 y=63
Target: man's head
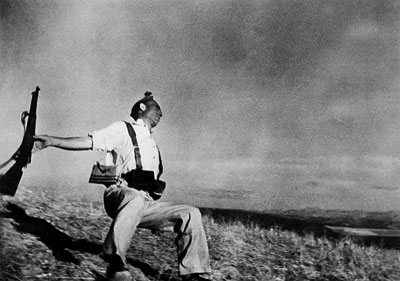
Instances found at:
x=147 y=109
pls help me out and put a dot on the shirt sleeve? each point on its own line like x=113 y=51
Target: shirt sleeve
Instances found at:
x=109 y=138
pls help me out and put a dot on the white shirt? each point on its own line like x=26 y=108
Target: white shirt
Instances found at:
x=116 y=142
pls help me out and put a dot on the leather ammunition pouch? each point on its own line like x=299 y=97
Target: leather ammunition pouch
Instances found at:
x=144 y=180
x=102 y=174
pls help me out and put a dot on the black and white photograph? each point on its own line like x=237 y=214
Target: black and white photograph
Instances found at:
x=169 y=140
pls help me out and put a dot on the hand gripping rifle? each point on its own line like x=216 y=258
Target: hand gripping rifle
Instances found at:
x=22 y=157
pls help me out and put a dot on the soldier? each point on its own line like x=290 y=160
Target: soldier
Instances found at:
x=132 y=205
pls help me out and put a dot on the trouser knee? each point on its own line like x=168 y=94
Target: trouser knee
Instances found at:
x=191 y=219
x=195 y=214
x=118 y=198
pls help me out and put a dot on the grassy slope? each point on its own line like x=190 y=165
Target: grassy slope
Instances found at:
x=49 y=238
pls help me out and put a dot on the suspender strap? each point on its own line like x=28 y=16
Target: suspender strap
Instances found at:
x=160 y=165
x=132 y=134
x=138 y=158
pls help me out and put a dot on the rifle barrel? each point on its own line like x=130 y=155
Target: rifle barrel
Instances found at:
x=10 y=180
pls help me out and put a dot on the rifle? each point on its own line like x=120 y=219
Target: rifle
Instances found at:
x=22 y=157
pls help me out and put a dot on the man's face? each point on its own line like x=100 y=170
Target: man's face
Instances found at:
x=152 y=113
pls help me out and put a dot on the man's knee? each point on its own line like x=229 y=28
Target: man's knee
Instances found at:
x=120 y=198
x=191 y=217
x=195 y=213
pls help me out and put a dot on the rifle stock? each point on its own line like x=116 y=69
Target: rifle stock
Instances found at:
x=22 y=157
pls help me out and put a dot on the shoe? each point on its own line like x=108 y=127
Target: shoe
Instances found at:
x=123 y=275
x=196 y=277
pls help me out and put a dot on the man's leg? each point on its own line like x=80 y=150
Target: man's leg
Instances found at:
x=186 y=221
x=125 y=206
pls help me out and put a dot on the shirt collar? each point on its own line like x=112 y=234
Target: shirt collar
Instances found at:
x=137 y=122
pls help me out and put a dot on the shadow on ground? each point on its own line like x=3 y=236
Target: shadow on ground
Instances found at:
x=58 y=242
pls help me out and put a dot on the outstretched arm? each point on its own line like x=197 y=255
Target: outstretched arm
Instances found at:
x=66 y=143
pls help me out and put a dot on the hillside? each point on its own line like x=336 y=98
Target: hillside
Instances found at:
x=44 y=237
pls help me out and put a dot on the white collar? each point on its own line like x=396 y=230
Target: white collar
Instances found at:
x=140 y=122
x=137 y=122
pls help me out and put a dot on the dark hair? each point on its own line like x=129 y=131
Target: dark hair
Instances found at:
x=136 y=107
x=135 y=110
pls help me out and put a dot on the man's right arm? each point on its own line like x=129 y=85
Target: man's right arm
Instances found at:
x=66 y=143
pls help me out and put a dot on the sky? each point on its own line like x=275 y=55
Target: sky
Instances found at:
x=267 y=104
